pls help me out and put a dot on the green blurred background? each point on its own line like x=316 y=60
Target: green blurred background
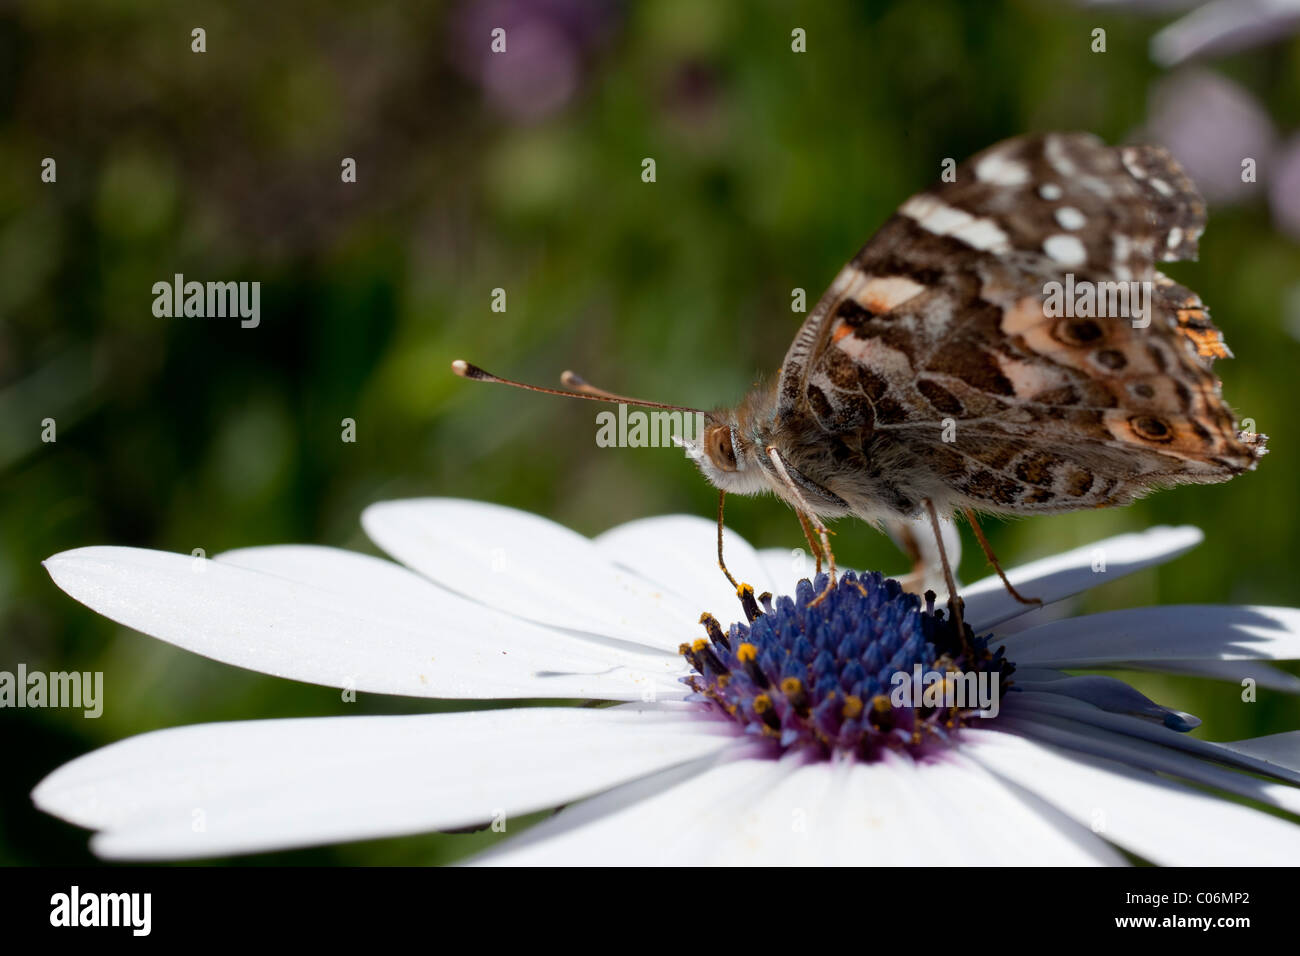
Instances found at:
x=523 y=173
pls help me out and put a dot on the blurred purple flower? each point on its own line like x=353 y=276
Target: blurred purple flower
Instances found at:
x=1212 y=125
x=547 y=46
x=1215 y=28
x=1225 y=26
x=1284 y=188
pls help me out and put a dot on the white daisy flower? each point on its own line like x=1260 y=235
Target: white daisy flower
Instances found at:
x=497 y=603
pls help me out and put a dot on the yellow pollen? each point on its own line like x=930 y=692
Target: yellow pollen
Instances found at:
x=762 y=704
x=746 y=653
x=880 y=703
x=852 y=706
x=699 y=645
x=791 y=686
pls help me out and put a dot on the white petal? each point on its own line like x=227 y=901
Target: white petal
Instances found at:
x=348 y=620
x=680 y=553
x=914 y=536
x=1051 y=579
x=1054 y=708
x=656 y=821
x=786 y=824
x=786 y=567
x=1155 y=818
x=216 y=789
x=971 y=802
x=678 y=819
x=1264 y=675
x=760 y=811
x=1145 y=755
x=1169 y=632
x=888 y=814
x=530 y=567
x=1280 y=750
x=1101 y=692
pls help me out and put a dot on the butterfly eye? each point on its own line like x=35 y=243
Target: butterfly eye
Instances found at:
x=717 y=442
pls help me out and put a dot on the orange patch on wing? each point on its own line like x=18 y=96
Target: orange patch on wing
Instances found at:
x=1208 y=342
x=843 y=330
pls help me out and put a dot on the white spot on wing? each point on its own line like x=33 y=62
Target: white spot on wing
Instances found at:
x=1001 y=171
x=983 y=234
x=1070 y=218
x=888 y=292
x=1054 y=150
x=937 y=217
x=934 y=215
x=1122 y=250
x=1067 y=250
x=1129 y=157
x=1050 y=191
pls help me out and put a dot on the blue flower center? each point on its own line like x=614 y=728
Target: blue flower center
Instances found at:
x=863 y=670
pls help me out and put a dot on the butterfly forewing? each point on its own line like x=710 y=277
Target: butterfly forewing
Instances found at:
x=939 y=365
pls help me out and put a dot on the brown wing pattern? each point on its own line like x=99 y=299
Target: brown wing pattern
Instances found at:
x=957 y=345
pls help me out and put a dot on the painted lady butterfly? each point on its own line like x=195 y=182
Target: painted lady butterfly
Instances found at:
x=1003 y=344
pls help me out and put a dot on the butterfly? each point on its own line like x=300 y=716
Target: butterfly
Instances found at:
x=1004 y=344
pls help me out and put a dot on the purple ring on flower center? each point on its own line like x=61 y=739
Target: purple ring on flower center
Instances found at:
x=824 y=677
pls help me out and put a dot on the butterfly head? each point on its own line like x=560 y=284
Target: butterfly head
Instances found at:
x=726 y=455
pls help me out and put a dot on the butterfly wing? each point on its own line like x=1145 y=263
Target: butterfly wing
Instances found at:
x=955 y=358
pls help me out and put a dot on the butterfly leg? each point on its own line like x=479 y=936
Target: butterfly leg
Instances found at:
x=988 y=553
x=722 y=498
x=744 y=592
x=954 y=602
x=813 y=546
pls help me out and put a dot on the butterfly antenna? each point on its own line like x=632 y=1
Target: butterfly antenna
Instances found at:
x=579 y=384
x=580 y=388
